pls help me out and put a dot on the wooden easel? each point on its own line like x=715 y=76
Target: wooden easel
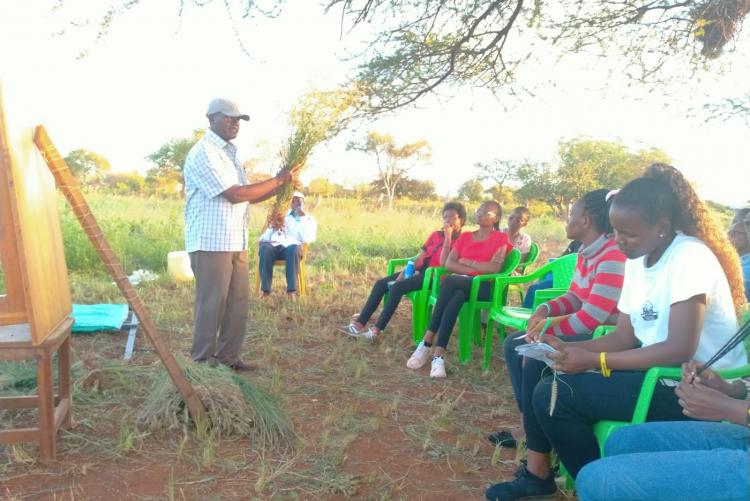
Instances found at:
x=35 y=317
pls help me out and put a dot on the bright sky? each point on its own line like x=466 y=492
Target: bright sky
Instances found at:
x=152 y=77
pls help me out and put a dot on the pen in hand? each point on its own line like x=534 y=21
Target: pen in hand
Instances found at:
x=541 y=333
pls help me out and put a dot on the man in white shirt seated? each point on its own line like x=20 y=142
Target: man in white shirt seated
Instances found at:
x=286 y=243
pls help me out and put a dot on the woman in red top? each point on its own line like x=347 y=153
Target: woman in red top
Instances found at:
x=479 y=252
x=433 y=253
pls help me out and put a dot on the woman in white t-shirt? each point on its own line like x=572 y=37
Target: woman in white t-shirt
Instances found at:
x=682 y=289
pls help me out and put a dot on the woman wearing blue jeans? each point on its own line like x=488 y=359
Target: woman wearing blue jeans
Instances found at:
x=668 y=461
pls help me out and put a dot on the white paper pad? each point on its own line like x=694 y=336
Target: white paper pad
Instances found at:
x=537 y=351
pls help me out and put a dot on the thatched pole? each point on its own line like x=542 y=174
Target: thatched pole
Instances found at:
x=70 y=187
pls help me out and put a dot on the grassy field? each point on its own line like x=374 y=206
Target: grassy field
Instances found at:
x=364 y=426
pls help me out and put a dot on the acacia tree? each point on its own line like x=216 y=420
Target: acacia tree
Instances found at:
x=169 y=161
x=729 y=108
x=417 y=189
x=89 y=167
x=471 y=190
x=423 y=45
x=499 y=172
x=583 y=165
x=393 y=162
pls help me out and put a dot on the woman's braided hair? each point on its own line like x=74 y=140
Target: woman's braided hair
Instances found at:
x=596 y=206
x=664 y=191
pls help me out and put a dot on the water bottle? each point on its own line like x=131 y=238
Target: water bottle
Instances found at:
x=409 y=270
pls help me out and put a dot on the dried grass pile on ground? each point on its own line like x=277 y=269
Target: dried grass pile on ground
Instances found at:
x=235 y=407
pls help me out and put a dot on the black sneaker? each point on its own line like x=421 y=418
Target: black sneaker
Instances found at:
x=522 y=466
x=526 y=485
x=503 y=438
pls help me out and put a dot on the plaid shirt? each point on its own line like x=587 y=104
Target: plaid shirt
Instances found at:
x=213 y=223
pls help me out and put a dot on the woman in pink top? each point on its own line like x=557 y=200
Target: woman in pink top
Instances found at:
x=474 y=253
x=433 y=253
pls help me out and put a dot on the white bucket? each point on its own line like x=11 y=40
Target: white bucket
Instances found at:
x=178 y=266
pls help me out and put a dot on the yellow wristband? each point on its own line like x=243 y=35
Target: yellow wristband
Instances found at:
x=606 y=371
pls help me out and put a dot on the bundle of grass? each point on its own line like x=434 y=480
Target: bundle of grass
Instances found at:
x=318 y=117
x=718 y=22
x=234 y=407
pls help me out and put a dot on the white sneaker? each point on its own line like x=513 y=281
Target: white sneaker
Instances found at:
x=351 y=329
x=368 y=334
x=438 y=367
x=420 y=357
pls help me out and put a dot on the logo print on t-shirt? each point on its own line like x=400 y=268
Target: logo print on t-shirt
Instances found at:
x=648 y=312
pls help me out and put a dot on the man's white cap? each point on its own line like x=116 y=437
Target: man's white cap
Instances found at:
x=298 y=194
x=227 y=108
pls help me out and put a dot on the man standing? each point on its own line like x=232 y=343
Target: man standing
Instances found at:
x=285 y=243
x=216 y=219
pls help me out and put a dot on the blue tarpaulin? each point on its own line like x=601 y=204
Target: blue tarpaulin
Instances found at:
x=98 y=317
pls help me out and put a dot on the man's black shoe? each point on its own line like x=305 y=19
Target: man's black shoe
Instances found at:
x=240 y=366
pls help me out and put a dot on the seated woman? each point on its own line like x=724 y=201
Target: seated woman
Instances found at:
x=433 y=253
x=517 y=221
x=679 y=300
x=475 y=253
x=676 y=461
x=590 y=302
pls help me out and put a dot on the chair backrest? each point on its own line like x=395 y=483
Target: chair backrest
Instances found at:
x=531 y=257
x=511 y=261
x=562 y=270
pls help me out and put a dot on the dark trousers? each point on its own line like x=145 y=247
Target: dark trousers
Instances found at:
x=454 y=292
x=582 y=400
x=396 y=292
x=524 y=383
x=221 y=302
x=268 y=254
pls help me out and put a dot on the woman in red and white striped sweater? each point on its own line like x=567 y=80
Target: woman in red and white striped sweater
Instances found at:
x=590 y=302
x=592 y=298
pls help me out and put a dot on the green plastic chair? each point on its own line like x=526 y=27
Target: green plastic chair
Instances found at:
x=531 y=258
x=469 y=318
x=418 y=298
x=562 y=270
x=603 y=429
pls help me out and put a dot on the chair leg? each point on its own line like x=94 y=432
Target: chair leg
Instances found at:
x=417 y=318
x=501 y=334
x=46 y=402
x=488 y=343
x=64 y=382
x=302 y=279
x=257 y=282
x=465 y=334
x=476 y=327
